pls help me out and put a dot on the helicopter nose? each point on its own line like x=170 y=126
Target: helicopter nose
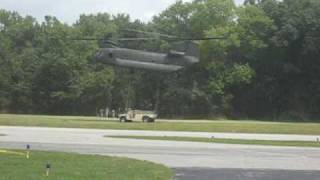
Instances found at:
x=105 y=56
x=99 y=55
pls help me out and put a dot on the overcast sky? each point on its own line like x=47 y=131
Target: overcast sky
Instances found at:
x=69 y=10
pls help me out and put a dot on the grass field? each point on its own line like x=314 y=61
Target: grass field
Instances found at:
x=15 y=166
x=226 y=141
x=208 y=126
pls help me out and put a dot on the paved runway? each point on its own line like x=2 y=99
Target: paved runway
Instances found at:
x=240 y=174
x=245 y=136
x=190 y=159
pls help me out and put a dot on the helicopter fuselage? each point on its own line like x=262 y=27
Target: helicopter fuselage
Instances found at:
x=167 y=62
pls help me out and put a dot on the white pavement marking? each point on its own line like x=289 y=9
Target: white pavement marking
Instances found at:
x=170 y=153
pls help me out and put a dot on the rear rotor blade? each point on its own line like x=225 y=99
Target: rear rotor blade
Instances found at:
x=173 y=38
x=198 y=39
x=150 y=33
x=137 y=39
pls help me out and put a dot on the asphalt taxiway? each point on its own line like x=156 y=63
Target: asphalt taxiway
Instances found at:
x=191 y=160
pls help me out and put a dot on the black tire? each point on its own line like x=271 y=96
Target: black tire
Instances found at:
x=145 y=119
x=123 y=119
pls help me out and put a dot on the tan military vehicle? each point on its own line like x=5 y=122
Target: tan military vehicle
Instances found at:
x=138 y=115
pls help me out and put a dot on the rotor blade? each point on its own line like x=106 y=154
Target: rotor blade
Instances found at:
x=150 y=33
x=95 y=39
x=197 y=39
x=172 y=39
x=175 y=38
x=111 y=42
x=137 y=39
x=87 y=39
x=120 y=39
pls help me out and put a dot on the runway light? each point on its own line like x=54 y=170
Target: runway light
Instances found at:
x=48 y=167
x=28 y=151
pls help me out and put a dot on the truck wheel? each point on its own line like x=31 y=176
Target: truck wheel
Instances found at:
x=123 y=119
x=145 y=119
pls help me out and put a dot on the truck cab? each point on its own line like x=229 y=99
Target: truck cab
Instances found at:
x=138 y=115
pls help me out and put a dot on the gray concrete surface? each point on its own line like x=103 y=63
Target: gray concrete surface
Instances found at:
x=275 y=137
x=189 y=158
x=170 y=153
x=242 y=174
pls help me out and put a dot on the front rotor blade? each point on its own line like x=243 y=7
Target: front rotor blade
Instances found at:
x=96 y=39
x=87 y=39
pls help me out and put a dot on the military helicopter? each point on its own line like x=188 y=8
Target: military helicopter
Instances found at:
x=185 y=53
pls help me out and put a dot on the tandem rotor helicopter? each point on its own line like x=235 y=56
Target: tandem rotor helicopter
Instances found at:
x=185 y=53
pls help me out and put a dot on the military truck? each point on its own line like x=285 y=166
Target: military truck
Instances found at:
x=138 y=115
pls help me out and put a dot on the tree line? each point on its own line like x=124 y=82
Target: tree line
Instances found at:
x=267 y=68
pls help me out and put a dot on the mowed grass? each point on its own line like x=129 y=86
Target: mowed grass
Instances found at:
x=65 y=166
x=226 y=141
x=207 y=126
